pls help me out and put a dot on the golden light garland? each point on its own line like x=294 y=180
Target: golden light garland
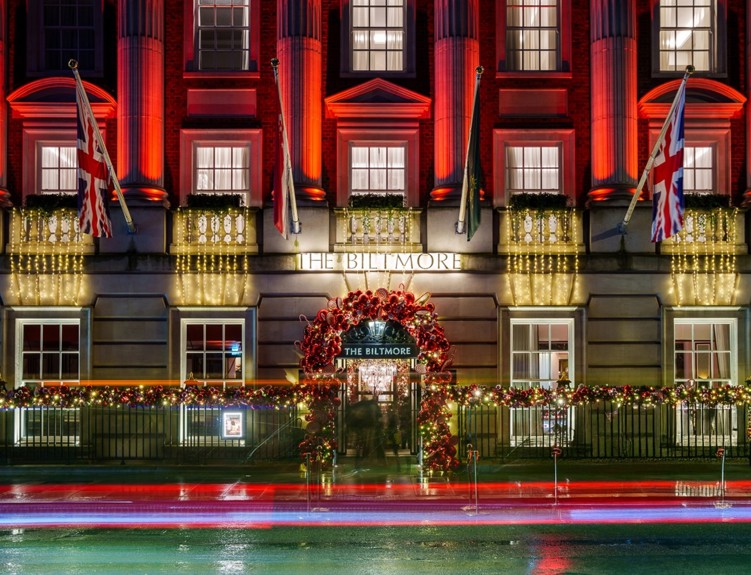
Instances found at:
x=212 y=248
x=543 y=261
x=46 y=256
x=703 y=263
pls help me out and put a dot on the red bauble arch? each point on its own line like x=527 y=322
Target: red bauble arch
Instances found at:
x=322 y=344
x=322 y=341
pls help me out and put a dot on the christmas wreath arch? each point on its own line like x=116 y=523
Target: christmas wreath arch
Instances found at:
x=322 y=343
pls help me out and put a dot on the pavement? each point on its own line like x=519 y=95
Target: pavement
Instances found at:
x=374 y=493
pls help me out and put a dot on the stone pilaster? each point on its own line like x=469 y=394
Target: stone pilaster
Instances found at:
x=140 y=97
x=298 y=49
x=457 y=55
x=614 y=100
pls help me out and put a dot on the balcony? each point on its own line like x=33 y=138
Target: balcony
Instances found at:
x=377 y=229
x=542 y=239
x=35 y=231
x=214 y=231
x=704 y=254
x=540 y=231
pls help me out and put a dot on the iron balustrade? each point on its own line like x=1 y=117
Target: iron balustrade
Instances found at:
x=601 y=430
x=146 y=433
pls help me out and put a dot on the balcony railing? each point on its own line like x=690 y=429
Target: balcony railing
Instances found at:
x=532 y=231
x=383 y=229
x=224 y=231
x=703 y=256
x=36 y=232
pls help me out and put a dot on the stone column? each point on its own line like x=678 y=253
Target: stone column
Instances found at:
x=5 y=200
x=747 y=194
x=298 y=49
x=457 y=54
x=614 y=100
x=140 y=97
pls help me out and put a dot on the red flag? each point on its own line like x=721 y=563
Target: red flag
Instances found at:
x=281 y=188
x=93 y=212
x=667 y=193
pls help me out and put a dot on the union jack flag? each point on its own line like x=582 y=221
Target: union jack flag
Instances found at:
x=667 y=192
x=93 y=177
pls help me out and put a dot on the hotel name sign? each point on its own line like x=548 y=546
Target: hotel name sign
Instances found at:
x=372 y=262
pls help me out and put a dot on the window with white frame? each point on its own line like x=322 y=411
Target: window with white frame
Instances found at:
x=213 y=351
x=698 y=170
x=222 y=169
x=705 y=351
x=378 y=32
x=48 y=354
x=49 y=351
x=223 y=35
x=540 y=352
x=533 y=169
x=532 y=35
x=705 y=355
x=541 y=355
x=377 y=169
x=686 y=34
x=58 y=169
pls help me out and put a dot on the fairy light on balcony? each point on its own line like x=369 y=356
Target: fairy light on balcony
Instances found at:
x=46 y=256
x=211 y=254
x=543 y=260
x=703 y=258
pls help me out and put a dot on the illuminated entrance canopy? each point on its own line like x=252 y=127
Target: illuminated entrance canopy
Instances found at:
x=375 y=262
x=378 y=340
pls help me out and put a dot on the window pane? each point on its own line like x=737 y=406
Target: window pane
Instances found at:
x=32 y=337
x=377 y=169
x=224 y=35
x=686 y=31
x=532 y=35
x=69 y=32
x=378 y=30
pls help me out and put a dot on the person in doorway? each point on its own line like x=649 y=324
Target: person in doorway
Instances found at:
x=393 y=432
x=405 y=423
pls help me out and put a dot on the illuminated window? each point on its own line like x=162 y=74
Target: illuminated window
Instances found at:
x=541 y=355
x=533 y=169
x=58 y=169
x=378 y=35
x=223 y=34
x=686 y=30
x=705 y=351
x=540 y=352
x=222 y=169
x=213 y=351
x=377 y=169
x=532 y=35
x=705 y=356
x=698 y=170
x=221 y=162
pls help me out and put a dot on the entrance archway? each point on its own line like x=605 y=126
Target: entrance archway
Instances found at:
x=322 y=344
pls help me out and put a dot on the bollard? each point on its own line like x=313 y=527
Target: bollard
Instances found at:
x=555 y=452
x=721 y=454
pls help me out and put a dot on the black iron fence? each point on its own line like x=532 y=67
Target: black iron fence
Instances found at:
x=177 y=434
x=600 y=430
x=604 y=430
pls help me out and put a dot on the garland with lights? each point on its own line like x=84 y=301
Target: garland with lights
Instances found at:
x=63 y=396
x=641 y=396
x=322 y=343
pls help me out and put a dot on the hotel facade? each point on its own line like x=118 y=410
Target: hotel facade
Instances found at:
x=552 y=294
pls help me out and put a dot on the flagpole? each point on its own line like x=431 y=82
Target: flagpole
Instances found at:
x=73 y=65
x=643 y=180
x=295 y=227
x=465 y=183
